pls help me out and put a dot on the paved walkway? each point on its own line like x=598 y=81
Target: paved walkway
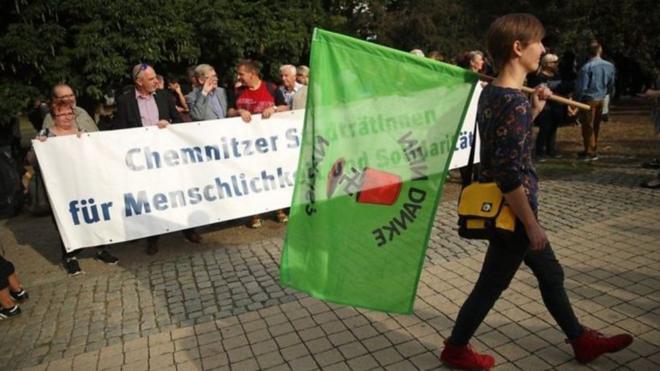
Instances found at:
x=219 y=305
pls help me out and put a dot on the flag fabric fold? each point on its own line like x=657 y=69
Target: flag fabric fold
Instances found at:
x=380 y=129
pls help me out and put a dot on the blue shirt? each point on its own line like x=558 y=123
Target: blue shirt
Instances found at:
x=595 y=80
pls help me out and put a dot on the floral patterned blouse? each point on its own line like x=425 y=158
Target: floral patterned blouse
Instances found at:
x=505 y=122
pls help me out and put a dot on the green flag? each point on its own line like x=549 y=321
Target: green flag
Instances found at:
x=380 y=130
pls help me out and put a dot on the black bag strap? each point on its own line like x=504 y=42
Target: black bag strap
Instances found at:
x=469 y=168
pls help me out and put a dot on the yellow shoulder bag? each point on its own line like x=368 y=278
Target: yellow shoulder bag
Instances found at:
x=482 y=212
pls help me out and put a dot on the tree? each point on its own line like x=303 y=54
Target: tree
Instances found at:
x=92 y=44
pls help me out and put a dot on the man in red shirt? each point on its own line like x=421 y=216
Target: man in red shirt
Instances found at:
x=255 y=95
x=252 y=97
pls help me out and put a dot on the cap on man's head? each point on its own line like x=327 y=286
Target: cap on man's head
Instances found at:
x=549 y=58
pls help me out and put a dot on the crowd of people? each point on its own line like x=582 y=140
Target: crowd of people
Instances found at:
x=505 y=117
x=153 y=101
x=591 y=82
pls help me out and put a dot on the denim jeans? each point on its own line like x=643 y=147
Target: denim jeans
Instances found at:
x=502 y=260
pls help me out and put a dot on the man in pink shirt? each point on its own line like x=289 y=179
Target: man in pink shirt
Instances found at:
x=148 y=106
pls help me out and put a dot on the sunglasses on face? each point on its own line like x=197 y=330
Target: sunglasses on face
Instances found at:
x=143 y=66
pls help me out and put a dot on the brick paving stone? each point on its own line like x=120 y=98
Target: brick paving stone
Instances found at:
x=284 y=341
x=138 y=365
x=511 y=352
x=303 y=323
x=183 y=356
x=160 y=349
x=303 y=364
x=404 y=365
x=269 y=360
x=642 y=364
x=185 y=343
x=209 y=337
x=234 y=342
x=333 y=327
x=425 y=361
x=282 y=367
x=352 y=350
x=263 y=347
x=240 y=354
x=552 y=335
x=210 y=349
x=364 y=332
x=247 y=365
x=318 y=345
x=387 y=356
x=61 y=365
x=397 y=336
x=281 y=329
x=365 y=362
x=161 y=361
x=433 y=341
x=532 y=343
x=554 y=356
x=294 y=352
x=214 y=361
x=41 y=367
x=410 y=348
x=197 y=304
x=341 y=366
x=160 y=338
x=341 y=338
x=254 y=325
x=328 y=357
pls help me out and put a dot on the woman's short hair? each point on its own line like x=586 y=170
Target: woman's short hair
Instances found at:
x=506 y=30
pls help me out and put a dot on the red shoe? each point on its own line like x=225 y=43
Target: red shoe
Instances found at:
x=465 y=358
x=592 y=344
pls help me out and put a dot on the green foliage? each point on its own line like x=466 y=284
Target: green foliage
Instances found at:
x=92 y=44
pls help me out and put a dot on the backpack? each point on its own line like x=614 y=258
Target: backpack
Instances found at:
x=11 y=191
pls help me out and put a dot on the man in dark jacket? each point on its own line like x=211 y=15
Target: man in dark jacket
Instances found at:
x=147 y=106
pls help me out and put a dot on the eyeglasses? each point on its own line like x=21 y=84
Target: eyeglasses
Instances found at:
x=143 y=66
x=68 y=114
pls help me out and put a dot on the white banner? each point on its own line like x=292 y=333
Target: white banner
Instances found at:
x=466 y=136
x=115 y=186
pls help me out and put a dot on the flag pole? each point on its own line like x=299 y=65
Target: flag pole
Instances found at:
x=553 y=97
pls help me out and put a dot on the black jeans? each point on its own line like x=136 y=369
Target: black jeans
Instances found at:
x=69 y=255
x=545 y=141
x=502 y=260
x=6 y=270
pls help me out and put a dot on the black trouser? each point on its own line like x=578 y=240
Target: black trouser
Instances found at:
x=547 y=136
x=6 y=270
x=502 y=260
x=68 y=255
x=186 y=233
